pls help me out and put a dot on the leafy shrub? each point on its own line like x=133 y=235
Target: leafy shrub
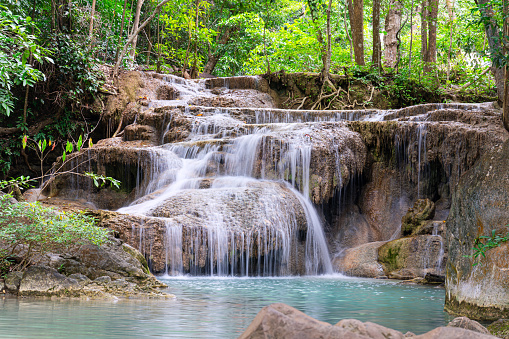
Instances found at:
x=29 y=230
x=485 y=243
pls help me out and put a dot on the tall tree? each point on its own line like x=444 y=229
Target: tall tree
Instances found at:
x=121 y=30
x=492 y=30
x=136 y=23
x=392 y=26
x=91 y=28
x=424 y=29
x=431 y=56
x=377 y=46
x=133 y=36
x=505 y=39
x=356 y=12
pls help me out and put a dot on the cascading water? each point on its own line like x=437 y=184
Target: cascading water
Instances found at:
x=233 y=188
x=220 y=243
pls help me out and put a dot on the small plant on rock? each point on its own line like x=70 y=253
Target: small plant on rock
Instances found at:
x=485 y=243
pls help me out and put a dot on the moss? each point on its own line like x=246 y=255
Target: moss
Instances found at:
x=389 y=255
x=500 y=328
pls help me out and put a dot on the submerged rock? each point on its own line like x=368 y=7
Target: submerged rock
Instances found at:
x=480 y=207
x=283 y=321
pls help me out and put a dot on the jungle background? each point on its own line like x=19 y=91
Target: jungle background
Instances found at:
x=56 y=56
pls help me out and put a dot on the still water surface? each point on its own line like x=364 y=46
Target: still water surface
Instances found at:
x=224 y=307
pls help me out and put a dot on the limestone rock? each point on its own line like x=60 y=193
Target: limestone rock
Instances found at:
x=369 y=329
x=423 y=209
x=361 y=261
x=431 y=227
x=408 y=258
x=12 y=281
x=283 y=321
x=45 y=281
x=500 y=328
x=466 y=323
x=453 y=333
x=480 y=205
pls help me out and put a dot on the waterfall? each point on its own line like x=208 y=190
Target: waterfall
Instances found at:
x=212 y=238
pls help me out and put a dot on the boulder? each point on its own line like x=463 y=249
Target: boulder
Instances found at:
x=283 y=321
x=361 y=261
x=409 y=258
x=43 y=281
x=500 y=328
x=423 y=209
x=12 y=281
x=469 y=324
x=453 y=333
x=369 y=329
x=480 y=205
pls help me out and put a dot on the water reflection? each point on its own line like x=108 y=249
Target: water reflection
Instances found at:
x=224 y=307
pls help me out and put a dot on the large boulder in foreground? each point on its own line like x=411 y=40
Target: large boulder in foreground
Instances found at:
x=480 y=206
x=283 y=321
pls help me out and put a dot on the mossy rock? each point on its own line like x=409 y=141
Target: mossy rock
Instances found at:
x=423 y=209
x=500 y=328
x=137 y=255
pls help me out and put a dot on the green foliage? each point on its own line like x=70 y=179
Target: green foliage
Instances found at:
x=16 y=47
x=20 y=182
x=34 y=230
x=485 y=243
x=101 y=180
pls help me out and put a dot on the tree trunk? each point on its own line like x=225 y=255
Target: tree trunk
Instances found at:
x=121 y=30
x=194 y=69
x=328 y=56
x=392 y=26
x=132 y=53
x=492 y=33
x=411 y=36
x=505 y=113
x=134 y=35
x=424 y=29
x=319 y=35
x=347 y=30
x=91 y=28
x=432 y=32
x=214 y=56
x=377 y=46
x=356 y=12
x=450 y=11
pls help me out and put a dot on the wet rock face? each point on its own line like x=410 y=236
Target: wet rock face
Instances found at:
x=423 y=209
x=480 y=206
x=271 y=217
x=361 y=261
x=409 y=258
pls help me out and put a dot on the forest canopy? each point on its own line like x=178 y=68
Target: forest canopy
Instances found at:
x=51 y=51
